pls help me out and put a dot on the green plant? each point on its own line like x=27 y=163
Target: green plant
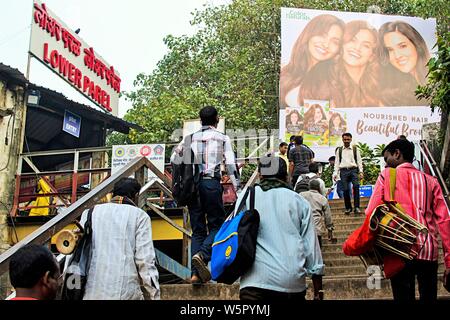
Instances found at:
x=327 y=175
x=379 y=149
x=247 y=171
x=370 y=161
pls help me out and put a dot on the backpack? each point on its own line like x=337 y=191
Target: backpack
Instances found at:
x=185 y=175
x=354 y=153
x=77 y=271
x=234 y=247
x=303 y=184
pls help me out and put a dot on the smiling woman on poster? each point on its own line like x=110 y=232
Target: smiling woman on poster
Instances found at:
x=353 y=80
x=338 y=126
x=405 y=56
x=319 y=41
x=294 y=122
x=315 y=120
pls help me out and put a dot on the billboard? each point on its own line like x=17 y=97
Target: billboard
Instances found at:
x=353 y=72
x=62 y=51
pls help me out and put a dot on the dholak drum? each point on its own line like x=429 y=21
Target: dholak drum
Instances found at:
x=67 y=240
x=397 y=232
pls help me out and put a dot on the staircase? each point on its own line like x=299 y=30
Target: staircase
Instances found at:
x=345 y=277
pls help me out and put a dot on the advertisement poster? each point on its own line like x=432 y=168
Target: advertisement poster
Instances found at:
x=353 y=72
x=123 y=154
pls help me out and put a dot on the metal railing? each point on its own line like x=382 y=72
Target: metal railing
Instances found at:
x=75 y=173
x=434 y=169
x=70 y=214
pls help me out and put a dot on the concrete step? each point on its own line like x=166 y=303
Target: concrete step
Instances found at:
x=328 y=247
x=346 y=227
x=340 y=239
x=341 y=219
x=335 y=289
x=209 y=291
x=329 y=256
x=356 y=268
x=356 y=288
x=341 y=261
x=331 y=247
x=341 y=210
x=332 y=255
x=336 y=202
x=342 y=234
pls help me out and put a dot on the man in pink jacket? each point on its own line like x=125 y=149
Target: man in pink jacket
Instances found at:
x=421 y=197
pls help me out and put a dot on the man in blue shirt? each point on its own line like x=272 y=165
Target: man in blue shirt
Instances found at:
x=287 y=248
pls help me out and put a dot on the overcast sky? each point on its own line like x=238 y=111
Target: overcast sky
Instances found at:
x=127 y=34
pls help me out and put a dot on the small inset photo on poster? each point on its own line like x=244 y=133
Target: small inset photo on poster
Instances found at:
x=337 y=126
x=315 y=123
x=294 y=122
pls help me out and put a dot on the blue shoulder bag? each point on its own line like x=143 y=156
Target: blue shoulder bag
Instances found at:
x=234 y=247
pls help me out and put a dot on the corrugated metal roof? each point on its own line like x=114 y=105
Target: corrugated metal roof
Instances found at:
x=57 y=100
x=13 y=74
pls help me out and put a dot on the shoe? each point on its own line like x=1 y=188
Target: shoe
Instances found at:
x=357 y=211
x=347 y=211
x=202 y=268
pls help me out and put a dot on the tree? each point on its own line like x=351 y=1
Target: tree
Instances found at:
x=437 y=90
x=233 y=62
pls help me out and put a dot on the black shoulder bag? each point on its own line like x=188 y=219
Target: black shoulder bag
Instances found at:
x=77 y=271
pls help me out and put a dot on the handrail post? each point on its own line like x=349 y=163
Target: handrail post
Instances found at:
x=75 y=175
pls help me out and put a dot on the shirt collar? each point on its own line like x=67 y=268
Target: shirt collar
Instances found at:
x=123 y=200
x=406 y=165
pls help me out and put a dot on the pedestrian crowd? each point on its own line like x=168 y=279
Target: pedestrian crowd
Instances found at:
x=295 y=217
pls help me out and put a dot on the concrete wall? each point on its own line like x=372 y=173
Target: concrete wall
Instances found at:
x=11 y=97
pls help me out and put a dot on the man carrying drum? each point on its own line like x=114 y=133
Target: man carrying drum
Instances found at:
x=421 y=197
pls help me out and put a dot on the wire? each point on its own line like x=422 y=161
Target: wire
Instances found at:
x=12 y=133
x=8 y=38
x=12 y=220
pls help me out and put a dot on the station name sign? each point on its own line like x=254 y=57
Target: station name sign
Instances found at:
x=61 y=50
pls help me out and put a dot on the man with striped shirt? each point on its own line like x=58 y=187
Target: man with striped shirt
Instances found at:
x=421 y=197
x=207 y=214
x=123 y=265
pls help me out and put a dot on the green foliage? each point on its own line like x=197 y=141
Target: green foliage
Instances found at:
x=327 y=175
x=379 y=149
x=247 y=172
x=437 y=90
x=371 y=164
x=233 y=62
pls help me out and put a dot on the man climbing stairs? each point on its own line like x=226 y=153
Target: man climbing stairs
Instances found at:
x=345 y=277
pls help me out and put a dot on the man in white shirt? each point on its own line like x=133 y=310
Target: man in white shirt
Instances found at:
x=349 y=168
x=123 y=265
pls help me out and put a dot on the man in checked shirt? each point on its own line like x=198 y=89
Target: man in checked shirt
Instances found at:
x=210 y=148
